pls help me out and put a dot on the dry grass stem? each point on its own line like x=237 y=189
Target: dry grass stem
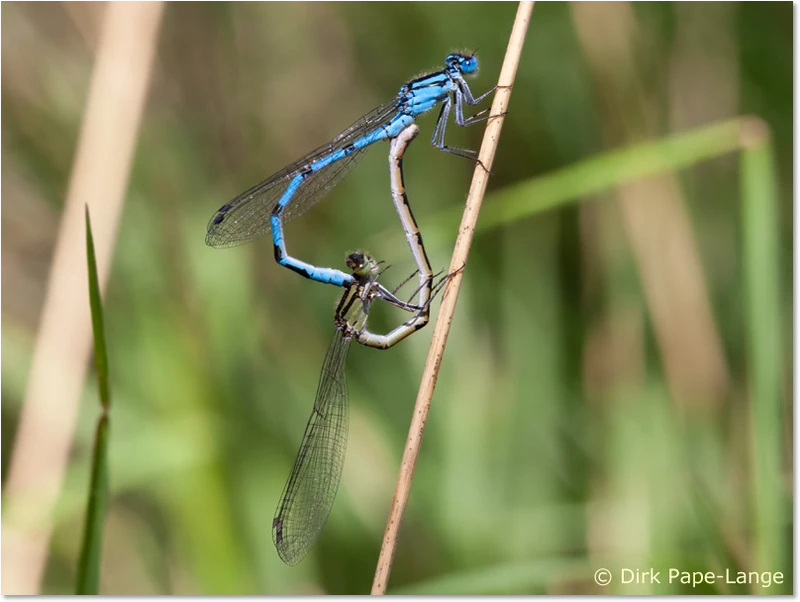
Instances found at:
x=654 y=214
x=99 y=179
x=442 y=327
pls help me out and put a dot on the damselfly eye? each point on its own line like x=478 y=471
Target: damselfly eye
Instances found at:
x=469 y=64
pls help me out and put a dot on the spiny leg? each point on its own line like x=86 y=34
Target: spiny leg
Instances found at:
x=441 y=126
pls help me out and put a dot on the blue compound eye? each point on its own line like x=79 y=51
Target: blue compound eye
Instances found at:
x=469 y=64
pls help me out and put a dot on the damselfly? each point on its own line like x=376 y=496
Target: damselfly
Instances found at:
x=309 y=492
x=295 y=188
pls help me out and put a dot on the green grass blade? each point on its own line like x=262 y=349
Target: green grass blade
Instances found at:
x=91 y=550
x=609 y=170
x=98 y=329
x=762 y=287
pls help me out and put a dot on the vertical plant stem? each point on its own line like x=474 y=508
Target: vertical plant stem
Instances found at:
x=447 y=309
x=88 y=580
x=760 y=226
x=99 y=179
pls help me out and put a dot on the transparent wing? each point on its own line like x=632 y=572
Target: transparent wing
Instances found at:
x=248 y=215
x=308 y=496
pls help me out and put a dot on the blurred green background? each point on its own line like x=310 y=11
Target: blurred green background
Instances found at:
x=594 y=407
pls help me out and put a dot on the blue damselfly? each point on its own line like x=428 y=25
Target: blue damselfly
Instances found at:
x=295 y=188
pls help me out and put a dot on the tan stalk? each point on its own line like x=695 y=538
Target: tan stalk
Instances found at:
x=442 y=328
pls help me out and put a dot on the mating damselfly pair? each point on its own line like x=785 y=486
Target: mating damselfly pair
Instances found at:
x=311 y=488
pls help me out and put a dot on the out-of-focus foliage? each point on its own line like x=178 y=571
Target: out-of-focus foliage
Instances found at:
x=564 y=436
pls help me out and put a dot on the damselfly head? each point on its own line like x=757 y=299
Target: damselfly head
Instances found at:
x=361 y=263
x=463 y=62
